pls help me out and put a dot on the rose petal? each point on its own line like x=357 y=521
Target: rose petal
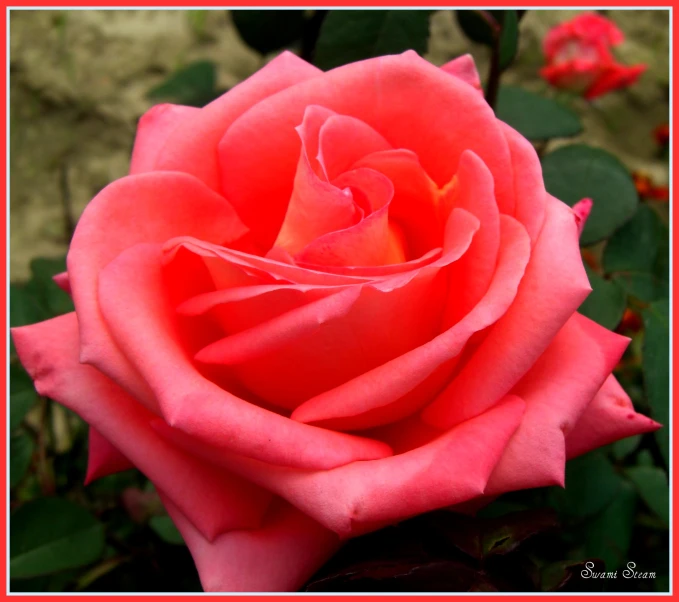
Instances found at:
x=190 y=148
x=240 y=308
x=153 y=130
x=464 y=68
x=582 y=210
x=376 y=272
x=474 y=192
x=150 y=207
x=367 y=243
x=380 y=92
x=415 y=203
x=61 y=280
x=608 y=417
x=223 y=258
x=320 y=345
x=613 y=78
x=316 y=208
x=103 y=458
x=556 y=390
x=280 y=556
x=133 y=300
x=529 y=187
x=213 y=500
x=554 y=286
x=353 y=499
x=401 y=386
x=343 y=140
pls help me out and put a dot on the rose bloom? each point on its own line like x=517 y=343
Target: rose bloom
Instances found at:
x=324 y=303
x=579 y=58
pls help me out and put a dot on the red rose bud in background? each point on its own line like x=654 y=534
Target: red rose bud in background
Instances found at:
x=648 y=190
x=662 y=134
x=579 y=58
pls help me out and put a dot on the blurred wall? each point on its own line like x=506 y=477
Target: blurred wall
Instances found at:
x=78 y=84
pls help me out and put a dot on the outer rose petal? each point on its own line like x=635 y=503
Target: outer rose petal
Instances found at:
x=464 y=68
x=615 y=77
x=582 y=209
x=577 y=75
x=190 y=147
x=609 y=416
x=556 y=390
x=133 y=300
x=278 y=557
x=360 y=496
x=103 y=458
x=213 y=500
x=153 y=130
x=150 y=207
x=61 y=280
x=381 y=92
x=554 y=286
x=529 y=187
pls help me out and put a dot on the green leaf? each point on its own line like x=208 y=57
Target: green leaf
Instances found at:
x=661 y=268
x=634 y=247
x=20 y=453
x=505 y=534
x=606 y=303
x=24 y=308
x=651 y=482
x=269 y=30
x=645 y=458
x=19 y=405
x=642 y=285
x=490 y=27
x=509 y=38
x=353 y=35
x=479 y=26
x=574 y=172
x=609 y=533
x=165 y=529
x=22 y=395
x=656 y=367
x=624 y=447
x=535 y=117
x=45 y=290
x=192 y=85
x=51 y=534
x=591 y=484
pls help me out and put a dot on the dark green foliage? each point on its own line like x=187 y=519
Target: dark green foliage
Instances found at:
x=353 y=35
x=579 y=171
x=193 y=85
x=269 y=30
x=534 y=116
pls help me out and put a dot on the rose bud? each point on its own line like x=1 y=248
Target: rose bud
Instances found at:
x=325 y=303
x=579 y=58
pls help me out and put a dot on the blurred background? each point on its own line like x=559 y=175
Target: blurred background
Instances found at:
x=80 y=80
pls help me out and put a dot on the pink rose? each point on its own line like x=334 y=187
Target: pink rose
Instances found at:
x=579 y=58
x=324 y=303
